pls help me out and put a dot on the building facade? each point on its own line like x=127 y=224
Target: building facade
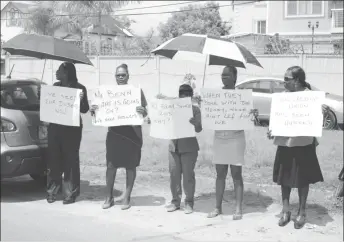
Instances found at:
x=294 y=20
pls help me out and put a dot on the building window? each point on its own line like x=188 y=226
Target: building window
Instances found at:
x=12 y=17
x=304 y=8
x=261 y=27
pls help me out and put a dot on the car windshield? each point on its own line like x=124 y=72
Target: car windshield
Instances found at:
x=20 y=96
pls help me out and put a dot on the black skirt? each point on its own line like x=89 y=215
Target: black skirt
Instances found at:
x=297 y=167
x=123 y=146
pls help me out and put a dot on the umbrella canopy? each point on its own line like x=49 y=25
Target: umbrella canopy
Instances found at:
x=45 y=47
x=194 y=47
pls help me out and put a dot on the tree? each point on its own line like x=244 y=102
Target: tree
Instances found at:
x=134 y=46
x=197 y=19
x=72 y=16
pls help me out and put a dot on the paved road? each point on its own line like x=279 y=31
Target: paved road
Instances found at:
x=26 y=216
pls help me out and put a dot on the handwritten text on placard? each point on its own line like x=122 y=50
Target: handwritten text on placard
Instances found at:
x=297 y=114
x=170 y=118
x=226 y=109
x=116 y=105
x=60 y=105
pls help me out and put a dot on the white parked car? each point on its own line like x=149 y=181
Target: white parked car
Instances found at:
x=263 y=87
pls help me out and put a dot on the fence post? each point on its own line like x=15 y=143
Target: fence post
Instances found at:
x=157 y=67
x=98 y=68
x=302 y=60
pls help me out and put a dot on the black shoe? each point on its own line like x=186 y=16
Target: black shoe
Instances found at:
x=69 y=201
x=285 y=219
x=51 y=198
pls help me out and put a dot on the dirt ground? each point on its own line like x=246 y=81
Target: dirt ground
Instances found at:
x=151 y=194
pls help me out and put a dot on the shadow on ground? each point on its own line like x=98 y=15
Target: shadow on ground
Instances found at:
x=253 y=202
x=98 y=193
x=316 y=214
x=21 y=189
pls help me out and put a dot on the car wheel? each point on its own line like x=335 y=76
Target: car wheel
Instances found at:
x=330 y=121
x=41 y=178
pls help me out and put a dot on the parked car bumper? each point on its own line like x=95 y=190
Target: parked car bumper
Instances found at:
x=17 y=161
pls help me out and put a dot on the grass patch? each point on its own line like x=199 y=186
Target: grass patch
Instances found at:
x=259 y=157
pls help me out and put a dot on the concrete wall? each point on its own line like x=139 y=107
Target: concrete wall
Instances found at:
x=324 y=72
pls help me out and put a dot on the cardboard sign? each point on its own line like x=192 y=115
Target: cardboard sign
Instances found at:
x=60 y=105
x=297 y=114
x=226 y=109
x=170 y=118
x=116 y=105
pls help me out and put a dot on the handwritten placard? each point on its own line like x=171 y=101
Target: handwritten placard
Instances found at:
x=297 y=114
x=116 y=105
x=226 y=109
x=60 y=105
x=170 y=118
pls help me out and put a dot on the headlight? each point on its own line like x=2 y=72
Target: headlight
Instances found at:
x=7 y=126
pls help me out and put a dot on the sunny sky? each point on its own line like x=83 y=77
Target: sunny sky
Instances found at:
x=145 y=22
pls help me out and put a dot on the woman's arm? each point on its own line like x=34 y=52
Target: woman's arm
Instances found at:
x=84 y=106
x=197 y=119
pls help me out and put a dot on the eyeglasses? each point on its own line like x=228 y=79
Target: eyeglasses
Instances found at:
x=121 y=75
x=288 y=79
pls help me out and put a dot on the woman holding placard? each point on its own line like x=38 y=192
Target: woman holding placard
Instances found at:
x=64 y=144
x=296 y=163
x=123 y=147
x=228 y=150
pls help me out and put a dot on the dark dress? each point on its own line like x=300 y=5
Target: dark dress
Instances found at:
x=63 y=153
x=124 y=143
x=297 y=166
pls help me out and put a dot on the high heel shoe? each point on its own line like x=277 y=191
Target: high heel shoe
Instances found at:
x=285 y=219
x=109 y=202
x=300 y=221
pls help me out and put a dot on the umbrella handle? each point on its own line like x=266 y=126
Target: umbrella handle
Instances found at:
x=205 y=68
x=45 y=60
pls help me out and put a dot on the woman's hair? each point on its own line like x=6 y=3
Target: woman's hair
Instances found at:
x=298 y=73
x=71 y=71
x=124 y=66
x=186 y=88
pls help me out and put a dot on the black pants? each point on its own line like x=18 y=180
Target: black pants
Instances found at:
x=63 y=158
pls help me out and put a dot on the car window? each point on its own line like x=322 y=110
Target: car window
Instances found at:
x=277 y=87
x=249 y=85
x=20 y=96
x=263 y=87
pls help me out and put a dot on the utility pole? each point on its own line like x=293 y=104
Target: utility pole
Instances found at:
x=311 y=26
x=100 y=41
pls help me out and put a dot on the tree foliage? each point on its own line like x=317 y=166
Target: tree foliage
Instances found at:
x=201 y=19
x=46 y=17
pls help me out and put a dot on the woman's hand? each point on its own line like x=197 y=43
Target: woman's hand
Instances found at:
x=141 y=110
x=325 y=109
x=160 y=96
x=93 y=109
x=193 y=121
x=269 y=135
x=81 y=95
